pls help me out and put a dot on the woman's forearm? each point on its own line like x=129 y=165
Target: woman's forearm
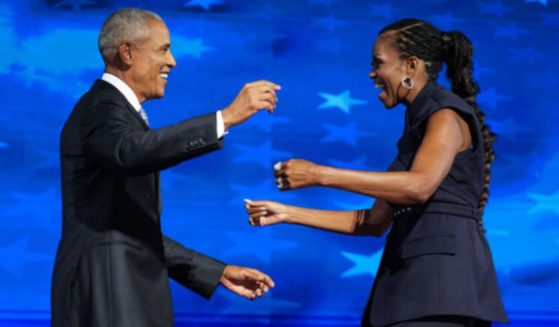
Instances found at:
x=394 y=187
x=357 y=222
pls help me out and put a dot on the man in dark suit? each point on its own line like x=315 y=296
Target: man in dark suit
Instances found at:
x=113 y=262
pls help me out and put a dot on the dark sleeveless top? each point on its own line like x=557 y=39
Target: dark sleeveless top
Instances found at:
x=436 y=259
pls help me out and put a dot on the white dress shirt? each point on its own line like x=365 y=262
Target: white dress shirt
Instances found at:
x=131 y=97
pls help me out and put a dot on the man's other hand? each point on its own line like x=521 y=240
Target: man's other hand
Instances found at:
x=246 y=282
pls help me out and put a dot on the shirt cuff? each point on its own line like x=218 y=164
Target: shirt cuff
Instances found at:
x=220 y=125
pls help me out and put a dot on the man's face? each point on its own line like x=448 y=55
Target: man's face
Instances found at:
x=151 y=63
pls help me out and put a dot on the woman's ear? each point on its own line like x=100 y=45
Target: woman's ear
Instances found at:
x=412 y=65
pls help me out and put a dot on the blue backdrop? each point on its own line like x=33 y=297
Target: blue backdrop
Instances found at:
x=328 y=112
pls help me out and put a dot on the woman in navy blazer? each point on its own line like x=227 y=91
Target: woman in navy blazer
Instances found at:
x=436 y=268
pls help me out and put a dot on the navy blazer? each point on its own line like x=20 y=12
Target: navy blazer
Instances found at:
x=113 y=262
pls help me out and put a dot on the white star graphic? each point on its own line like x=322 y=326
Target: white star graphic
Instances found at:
x=363 y=265
x=342 y=101
x=545 y=202
x=191 y=47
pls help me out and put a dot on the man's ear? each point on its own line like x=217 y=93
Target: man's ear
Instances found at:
x=125 y=53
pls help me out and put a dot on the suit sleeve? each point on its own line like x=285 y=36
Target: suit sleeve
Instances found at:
x=116 y=141
x=191 y=269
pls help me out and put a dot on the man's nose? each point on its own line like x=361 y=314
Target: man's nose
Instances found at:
x=171 y=60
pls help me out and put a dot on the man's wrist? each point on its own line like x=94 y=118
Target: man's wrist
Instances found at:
x=222 y=129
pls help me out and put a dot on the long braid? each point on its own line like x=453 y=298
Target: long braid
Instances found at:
x=414 y=37
x=459 y=72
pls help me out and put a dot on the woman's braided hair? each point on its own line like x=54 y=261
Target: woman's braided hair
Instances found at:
x=414 y=37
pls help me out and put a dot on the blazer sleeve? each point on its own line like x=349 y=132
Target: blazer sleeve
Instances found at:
x=191 y=269
x=116 y=140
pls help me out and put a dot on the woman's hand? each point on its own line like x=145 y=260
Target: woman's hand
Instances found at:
x=264 y=213
x=296 y=173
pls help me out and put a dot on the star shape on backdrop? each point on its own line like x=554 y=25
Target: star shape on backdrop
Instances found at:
x=259 y=243
x=508 y=127
x=526 y=54
x=42 y=207
x=494 y=8
x=365 y=204
x=544 y=202
x=265 y=190
x=265 y=306
x=362 y=264
x=262 y=154
x=31 y=78
x=266 y=122
x=330 y=22
x=342 y=101
x=381 y=10
x=446 y=21
x=72 y=4
x=348 y=133
x=16 y=255
x=510 y=31
x=490 y=98
x=191 y=47
x=543 y=2
x=204 y=4
x=359 y=163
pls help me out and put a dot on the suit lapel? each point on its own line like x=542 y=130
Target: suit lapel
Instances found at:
x=137 y=116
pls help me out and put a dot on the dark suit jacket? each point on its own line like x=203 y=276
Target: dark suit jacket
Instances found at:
x=113 y=263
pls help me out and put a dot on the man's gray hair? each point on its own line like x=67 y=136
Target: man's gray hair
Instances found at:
x=124 y=25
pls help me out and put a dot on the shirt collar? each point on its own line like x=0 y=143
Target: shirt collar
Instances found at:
x=123 y=88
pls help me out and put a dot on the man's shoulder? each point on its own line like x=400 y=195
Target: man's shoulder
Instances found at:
x=103 y=91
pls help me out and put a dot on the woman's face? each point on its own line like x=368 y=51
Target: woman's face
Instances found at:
x=388 y=71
